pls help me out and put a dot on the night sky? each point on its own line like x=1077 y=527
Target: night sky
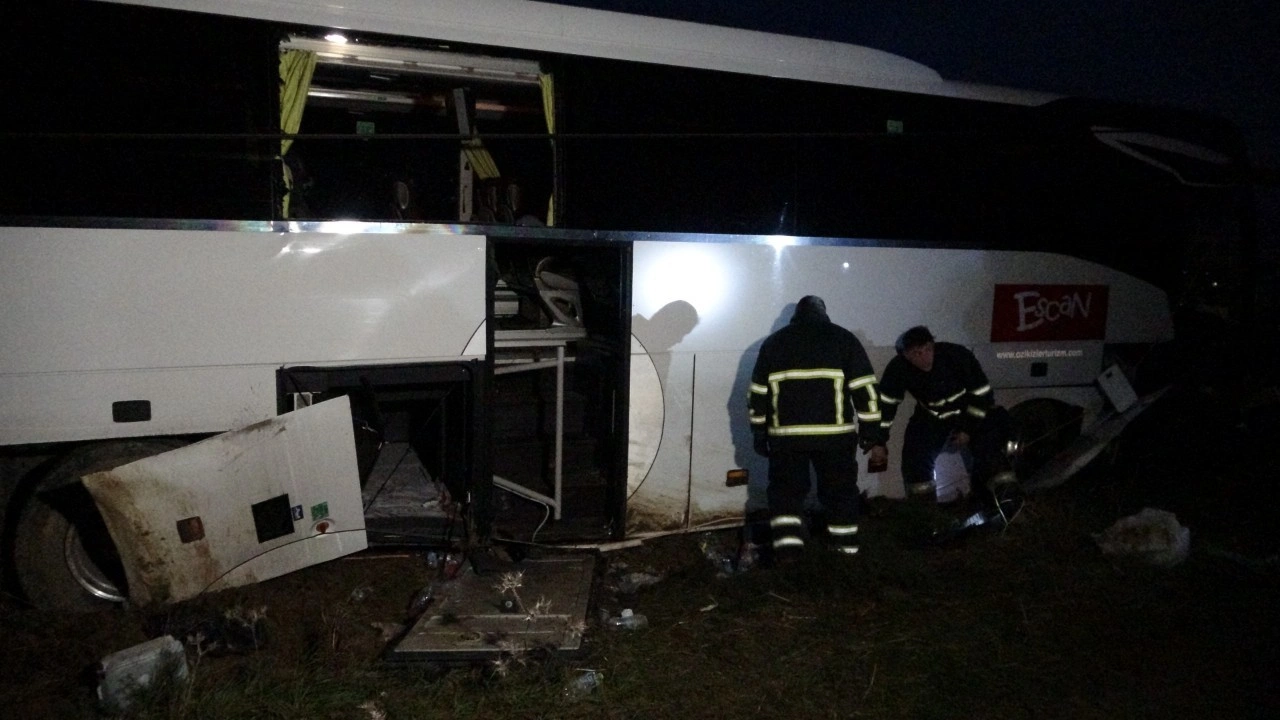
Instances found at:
x=1218 y=57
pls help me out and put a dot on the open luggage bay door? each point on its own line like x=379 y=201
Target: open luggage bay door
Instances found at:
x=236 y=508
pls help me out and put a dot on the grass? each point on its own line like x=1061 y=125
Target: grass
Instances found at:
x=1031 y=622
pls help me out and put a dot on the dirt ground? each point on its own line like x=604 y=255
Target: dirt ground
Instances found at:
x=1029 y=621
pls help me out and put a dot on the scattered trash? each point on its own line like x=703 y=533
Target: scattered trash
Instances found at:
x=629 y=620
x=744 y=555
x=1009 y=504
x=709 y=608
x=631 y=582
x=360 y=594
x=1153 y=537
x=748 y=556
x=420 y=602
x=584 y=684
x=725 y=562
x=124 y=673
x=452 y=564
x=237 y=630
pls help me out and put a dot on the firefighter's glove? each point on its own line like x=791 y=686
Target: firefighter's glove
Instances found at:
x=761 y=444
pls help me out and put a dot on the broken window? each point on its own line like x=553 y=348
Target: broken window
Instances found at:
x=414 y=135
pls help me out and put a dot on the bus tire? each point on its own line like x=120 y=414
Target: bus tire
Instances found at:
x=63 y=557
x=1042 y=427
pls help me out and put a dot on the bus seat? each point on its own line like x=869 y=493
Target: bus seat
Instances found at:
x=559 y=293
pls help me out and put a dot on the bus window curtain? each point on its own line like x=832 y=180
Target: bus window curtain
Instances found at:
x=296 y=69
x=548 y=84
x=481 y=161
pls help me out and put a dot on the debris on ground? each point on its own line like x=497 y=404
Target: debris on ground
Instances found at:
x=1152 y=537
x=1032 y=622
x=235 y=631
x=420 y=602
x=628 y=619
x=630 y=583
x=585 y=683
x=728 y=558
x=126 y=673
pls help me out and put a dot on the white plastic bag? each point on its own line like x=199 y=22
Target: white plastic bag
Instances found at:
x=1153 y=537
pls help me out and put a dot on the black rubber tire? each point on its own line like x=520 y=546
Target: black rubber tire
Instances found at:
x=59 y=503
x=1042 y=428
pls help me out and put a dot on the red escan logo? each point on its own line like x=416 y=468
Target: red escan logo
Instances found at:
x=1032 y=313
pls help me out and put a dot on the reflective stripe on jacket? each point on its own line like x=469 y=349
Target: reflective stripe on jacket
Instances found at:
x=955 y=391
x=812 y=386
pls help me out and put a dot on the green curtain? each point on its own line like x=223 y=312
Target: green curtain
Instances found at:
x=296 y=69
x=548 y=83
x=481 y=161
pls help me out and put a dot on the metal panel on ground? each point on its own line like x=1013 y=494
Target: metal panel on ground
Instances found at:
x=237 y=508
x=474 y=618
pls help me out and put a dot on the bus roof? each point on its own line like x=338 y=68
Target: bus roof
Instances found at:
x=545 y=27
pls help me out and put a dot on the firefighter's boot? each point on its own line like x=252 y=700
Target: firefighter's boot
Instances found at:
x=843 y=538
x=788 y=533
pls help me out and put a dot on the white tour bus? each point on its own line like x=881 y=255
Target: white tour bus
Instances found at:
x=461 y=272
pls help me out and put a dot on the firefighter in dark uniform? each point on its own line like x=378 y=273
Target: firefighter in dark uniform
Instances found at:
x=955 y=409
x=812 y=389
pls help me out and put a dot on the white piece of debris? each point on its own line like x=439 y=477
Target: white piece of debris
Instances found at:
x=632 y=582
x=126 y=672
x=1152 y=536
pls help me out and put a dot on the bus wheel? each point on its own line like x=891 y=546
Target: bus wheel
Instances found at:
x=63 y=556
x=1042 y=428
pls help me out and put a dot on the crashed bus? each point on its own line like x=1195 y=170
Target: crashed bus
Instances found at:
x=284 y=281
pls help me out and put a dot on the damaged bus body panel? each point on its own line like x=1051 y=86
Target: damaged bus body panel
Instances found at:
x=237 y=508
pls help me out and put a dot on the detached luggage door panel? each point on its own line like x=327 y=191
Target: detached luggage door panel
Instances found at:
x=237 y=508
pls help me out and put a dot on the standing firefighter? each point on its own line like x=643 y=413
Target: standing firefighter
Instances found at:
x=807 y=381
x=955 y=409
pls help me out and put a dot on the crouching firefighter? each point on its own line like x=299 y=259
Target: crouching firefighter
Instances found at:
x=955 y=409
x=812 y=388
